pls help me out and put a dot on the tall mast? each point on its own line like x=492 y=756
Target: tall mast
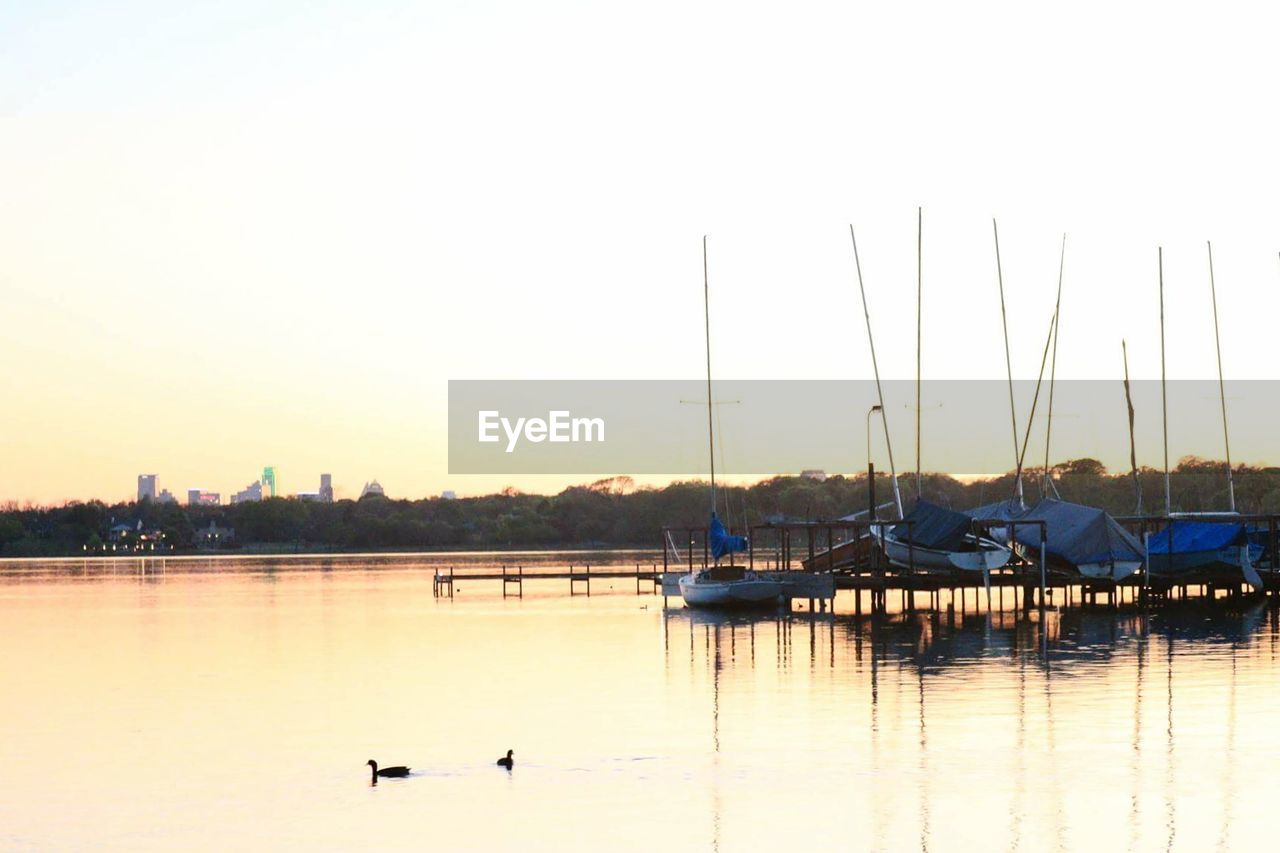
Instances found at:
x=893 y=473
x=1053 y=369
x=919 y=331
x=1222 y=390
x=1164 y=395
x=706 y=313
x=1008 y=361
x=1133 y=450
x=1026 y=439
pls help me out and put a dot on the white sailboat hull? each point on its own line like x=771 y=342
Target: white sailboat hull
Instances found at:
x=750 y=589
x=991 y=556
x=1116 y=571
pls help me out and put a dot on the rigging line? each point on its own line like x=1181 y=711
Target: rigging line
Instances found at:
x=1053 y=370
x=897 y=496
x=1222 y=389
x=1008 y=359
x=1032 y=416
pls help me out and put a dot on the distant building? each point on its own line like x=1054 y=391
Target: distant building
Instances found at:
x=269 y=479
x=449 y=495
x=146 y=487
x=814 y=474
x=326 y=488
x=166 y=497
x=372 y=489
x=251 y=492
x=134 y=538
x=214 y=536
x=203 y=497
x=120 y=532
x=309 y=497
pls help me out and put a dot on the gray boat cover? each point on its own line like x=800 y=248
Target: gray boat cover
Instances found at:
x=1074 y=533
x=933 y=527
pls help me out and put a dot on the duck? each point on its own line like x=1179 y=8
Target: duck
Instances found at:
x=386 y=772
x=507 y=761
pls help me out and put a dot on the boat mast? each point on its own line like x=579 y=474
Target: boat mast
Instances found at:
x=1053 y=369
x=919 y=329
x=893 y=473
x=1008 y=361
x=1026 y=439
x=706 y=313
x=1222 y=390
x=1164 y=395
x=1133 y=450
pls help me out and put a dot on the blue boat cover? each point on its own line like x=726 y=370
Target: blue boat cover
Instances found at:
x=1073 y=533
x=933 y=527
x=721 y=542
x=1190 y=537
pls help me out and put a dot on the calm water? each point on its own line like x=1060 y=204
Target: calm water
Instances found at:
x=229 y=706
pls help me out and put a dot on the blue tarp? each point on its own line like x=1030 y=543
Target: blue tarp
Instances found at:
x=721 y=542
x=1074 y=533
x=934 y=527
x=1190 y=537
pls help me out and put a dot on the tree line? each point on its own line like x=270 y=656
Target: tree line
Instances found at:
x=610 y=512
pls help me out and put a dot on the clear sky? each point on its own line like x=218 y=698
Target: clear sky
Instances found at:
x=239 y=234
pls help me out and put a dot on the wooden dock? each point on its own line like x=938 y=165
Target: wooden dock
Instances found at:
x=647 y=578
x=893 y=590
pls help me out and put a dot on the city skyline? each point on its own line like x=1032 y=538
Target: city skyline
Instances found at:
x=148 y=483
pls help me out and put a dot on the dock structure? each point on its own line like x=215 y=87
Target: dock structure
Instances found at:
x=513 y=578
x=816 y=561
x=849 y=556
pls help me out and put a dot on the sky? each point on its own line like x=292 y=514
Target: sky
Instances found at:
x=242 y=234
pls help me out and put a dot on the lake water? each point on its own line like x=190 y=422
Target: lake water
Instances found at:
x=232 y=705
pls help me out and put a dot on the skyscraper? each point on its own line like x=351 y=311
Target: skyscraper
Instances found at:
x=326 y=488
x=146 y=487
x=203 y=497
x=251 y=492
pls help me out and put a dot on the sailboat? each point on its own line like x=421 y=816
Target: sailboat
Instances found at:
x=716 y=585
x=938 y=539
x=1077 y=539
x=930 y=537
x=1208 y=550
x=1191 y=548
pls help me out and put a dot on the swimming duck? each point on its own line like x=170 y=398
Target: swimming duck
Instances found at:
x=507 y=762
x=386 y=772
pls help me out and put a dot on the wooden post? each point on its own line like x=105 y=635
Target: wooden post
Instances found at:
x=1043 y=537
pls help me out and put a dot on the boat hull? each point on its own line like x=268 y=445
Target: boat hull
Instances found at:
x=1115 y=571
x=1189 y=562
x=1223 y=565
x=989 y=556
x=746 y=592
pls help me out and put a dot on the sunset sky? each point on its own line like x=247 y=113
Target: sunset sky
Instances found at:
x=244 y=234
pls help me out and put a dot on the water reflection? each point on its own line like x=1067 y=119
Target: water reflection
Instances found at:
x=1072 y=691
x=1087 y=728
